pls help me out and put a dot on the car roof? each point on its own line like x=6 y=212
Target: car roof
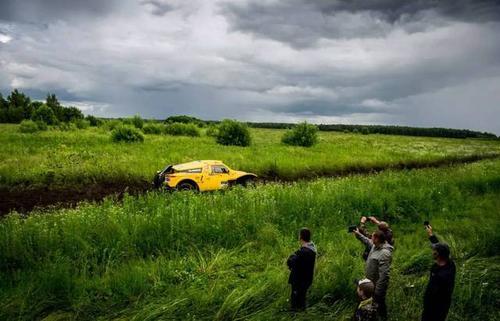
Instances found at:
x=196 y=164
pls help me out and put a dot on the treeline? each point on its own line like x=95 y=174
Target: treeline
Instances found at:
x=18 y=107
x=387 y=130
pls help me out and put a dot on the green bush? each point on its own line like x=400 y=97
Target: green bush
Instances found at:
x=126 y=134
x=41 y=125
x=28 y=127
x=181 y=129
x=152 y=129
x=303 y=134
x=112 y=124
x=64 y=126
x=137 y=121
x=93 y=121
x=212 y=131
x=45 y=114
x=232 y=132
x=82 y=124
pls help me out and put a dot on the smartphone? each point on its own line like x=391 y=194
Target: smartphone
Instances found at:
x=426 y=223
x=351 y=228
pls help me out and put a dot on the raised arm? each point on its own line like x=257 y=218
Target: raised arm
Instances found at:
x=433 y=238
x=365 y=240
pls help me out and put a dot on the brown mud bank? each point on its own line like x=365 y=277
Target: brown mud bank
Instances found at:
x=25 y=200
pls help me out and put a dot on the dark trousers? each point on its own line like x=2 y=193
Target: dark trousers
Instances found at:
x=381 y=307
x=298 y=298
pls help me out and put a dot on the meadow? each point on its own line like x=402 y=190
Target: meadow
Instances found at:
x=221 y=256
x=78 y=159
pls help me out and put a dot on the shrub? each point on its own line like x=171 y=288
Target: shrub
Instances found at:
x=82 y=124
x=93 y=121
x=126 y=134
x=28 y=127
x=41 y=125
x=181 y=129
x=232 y=132
x=45 y=114
x=66 y=126
x=212 y=131
x=365 y=131
x=112 y=124
x=137 y=121
x=152 y=129
x=303 y=134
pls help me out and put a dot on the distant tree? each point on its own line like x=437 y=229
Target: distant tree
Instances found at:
x=53 y=103
x=93 y=121
x=4 y=107
x=183 y=119
x=45 y=114
x=68 y=114
x=19 y=107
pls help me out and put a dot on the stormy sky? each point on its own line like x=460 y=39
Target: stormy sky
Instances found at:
x=423 y=63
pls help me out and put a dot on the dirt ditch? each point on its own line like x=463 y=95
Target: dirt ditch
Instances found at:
x=25 y=200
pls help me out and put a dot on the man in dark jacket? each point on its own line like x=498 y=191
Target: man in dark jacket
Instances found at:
x=301 y=265
x=437 y=298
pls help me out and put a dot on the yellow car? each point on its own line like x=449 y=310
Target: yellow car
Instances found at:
x=204 y=175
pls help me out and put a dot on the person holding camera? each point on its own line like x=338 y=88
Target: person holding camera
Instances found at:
x=437 y=297
x=301 y=265
x=378 y=265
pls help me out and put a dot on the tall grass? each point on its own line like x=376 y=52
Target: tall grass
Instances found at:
x=222 y=255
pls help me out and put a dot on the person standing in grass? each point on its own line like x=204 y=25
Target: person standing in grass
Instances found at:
x=378 y=265
x=301 y=266
x=367 y=308
x=381 y=225
x=437 y=297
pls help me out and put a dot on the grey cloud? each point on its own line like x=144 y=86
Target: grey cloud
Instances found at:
x=301 y=23
x=159 y=7
x=41 y=11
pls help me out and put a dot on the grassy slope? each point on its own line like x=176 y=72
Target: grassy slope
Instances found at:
x=199 y=257
x=76 y=159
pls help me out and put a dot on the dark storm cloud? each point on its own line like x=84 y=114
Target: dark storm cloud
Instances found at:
x=41 y=11
x=159 y=7
x=426 y=63
x=302 y=23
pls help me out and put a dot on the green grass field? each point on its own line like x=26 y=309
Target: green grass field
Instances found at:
x=221 y=256
x=75 y=159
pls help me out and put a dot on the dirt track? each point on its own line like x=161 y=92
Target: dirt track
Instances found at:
x=26 y=200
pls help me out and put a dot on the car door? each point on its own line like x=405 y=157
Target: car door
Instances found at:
x=217 y=177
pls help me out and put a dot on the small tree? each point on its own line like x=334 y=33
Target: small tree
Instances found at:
x=232 y=132
x=303 y=134
x=45 y=114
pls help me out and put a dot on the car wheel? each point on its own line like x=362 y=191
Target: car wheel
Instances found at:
x=248 y=182
x=186 y=186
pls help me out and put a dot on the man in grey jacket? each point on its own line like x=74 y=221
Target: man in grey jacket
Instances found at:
x=378 y=265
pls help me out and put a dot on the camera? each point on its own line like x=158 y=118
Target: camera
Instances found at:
x=351 y=228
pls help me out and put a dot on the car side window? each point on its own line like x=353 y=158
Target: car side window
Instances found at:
x=219 y=169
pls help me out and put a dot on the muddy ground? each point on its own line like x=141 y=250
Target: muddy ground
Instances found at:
x=26 y=199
